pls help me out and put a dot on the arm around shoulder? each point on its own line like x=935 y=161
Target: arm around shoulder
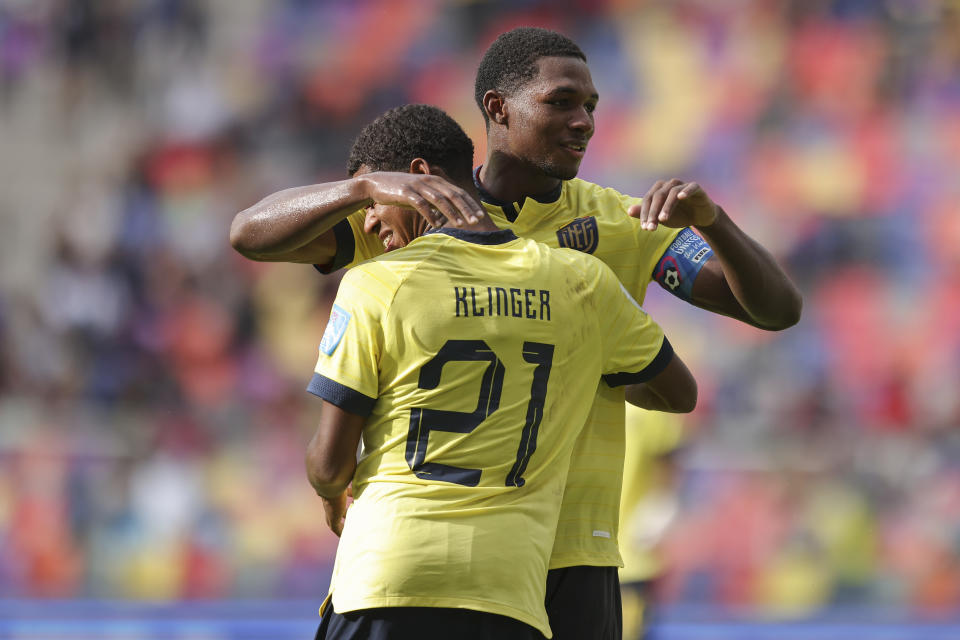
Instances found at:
x=296 y=225
x=744 y=281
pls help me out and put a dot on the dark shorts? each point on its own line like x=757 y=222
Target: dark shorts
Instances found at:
x=421 y=623
x=583 y=603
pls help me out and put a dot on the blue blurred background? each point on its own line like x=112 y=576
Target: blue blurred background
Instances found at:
x=153 y=418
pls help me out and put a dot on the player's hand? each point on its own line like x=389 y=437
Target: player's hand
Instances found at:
x=675 y=204
x=335 y=510
x=436 y=199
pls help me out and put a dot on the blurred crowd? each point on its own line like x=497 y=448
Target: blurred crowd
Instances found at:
x=152 y=412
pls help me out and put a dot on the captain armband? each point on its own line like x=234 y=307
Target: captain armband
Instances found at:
x=681 y=262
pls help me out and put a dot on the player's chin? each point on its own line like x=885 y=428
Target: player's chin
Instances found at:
x=562 y=170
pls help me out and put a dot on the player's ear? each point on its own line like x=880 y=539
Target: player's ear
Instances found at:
x=419 y=165
x=495 y=106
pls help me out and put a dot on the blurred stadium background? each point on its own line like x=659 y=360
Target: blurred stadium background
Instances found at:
x=153 y=418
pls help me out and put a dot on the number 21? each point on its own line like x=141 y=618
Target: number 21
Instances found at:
x=423 y=420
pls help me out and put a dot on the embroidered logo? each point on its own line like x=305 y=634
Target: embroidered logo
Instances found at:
x=580 y=234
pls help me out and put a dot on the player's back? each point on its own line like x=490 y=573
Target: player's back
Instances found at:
x=491 y=349
x=589 y=218
x=475 y=335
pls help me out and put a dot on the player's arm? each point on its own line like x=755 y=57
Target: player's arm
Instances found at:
x=672 y=390
x=346 y=378
x=635 y=352
x=331 y=460
x=656 y=379
x=297 y=225
x=742 y=279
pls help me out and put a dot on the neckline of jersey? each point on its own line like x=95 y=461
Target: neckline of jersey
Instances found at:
x=543 y=198
x=500 y=236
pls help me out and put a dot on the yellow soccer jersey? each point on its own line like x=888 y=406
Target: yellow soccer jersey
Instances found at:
x=583 y=216
x=476 y=357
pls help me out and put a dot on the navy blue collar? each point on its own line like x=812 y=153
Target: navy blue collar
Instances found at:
x=500 y=236
x=543 y=198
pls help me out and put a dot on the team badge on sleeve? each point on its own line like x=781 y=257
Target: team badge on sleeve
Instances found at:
x=681 y=262
x=580 y=234
x=336 y=327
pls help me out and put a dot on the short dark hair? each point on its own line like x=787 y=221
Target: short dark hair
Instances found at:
x=412 y=131
x=511 y=61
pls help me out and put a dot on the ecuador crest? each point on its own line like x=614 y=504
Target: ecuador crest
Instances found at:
x=580 y=234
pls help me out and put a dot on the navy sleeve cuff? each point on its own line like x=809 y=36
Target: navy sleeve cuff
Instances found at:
x=344 y=397
x=346 y=248
x=658 y=364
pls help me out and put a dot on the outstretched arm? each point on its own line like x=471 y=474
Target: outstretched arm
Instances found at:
x=296 y=225
x=743 y=280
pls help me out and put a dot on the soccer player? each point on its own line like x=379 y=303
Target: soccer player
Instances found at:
x=465 y=360
x=536 y=94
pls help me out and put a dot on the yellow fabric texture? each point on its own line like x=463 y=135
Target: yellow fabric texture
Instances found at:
x=424 y=540
x=587 y=533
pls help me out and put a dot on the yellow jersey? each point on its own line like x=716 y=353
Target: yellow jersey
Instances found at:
x=591 y=219
x=475 y=356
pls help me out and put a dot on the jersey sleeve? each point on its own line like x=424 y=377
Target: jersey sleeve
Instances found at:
x=671 y=257
x=354 y=245
x=347 y=371
x=634 y=348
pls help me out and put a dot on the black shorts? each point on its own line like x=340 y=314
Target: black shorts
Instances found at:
x=421 y=623
x=583 y=603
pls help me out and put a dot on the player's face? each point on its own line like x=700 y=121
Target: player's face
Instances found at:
x=395 y=226
x=551 y=117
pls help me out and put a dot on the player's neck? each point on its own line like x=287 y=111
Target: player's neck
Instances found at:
x=509 y=179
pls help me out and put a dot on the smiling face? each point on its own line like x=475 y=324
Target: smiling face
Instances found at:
x=550 y=118
x=395 y=226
